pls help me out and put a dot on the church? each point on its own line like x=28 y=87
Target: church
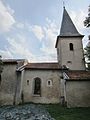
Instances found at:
x=66 y=82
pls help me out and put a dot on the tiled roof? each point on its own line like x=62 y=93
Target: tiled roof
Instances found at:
x=67 y=26
x=78 y=75
x=42 y=66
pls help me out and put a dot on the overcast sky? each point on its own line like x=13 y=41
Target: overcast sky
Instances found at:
x=28 y=28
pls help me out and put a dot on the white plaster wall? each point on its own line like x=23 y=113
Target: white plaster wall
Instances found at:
x=48 y=94
x=78 y=93
x=76 y=56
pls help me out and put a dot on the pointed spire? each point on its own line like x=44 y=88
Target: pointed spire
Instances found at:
x=67 y=26
x=63 y=4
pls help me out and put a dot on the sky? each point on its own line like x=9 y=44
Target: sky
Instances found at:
x=29 y=28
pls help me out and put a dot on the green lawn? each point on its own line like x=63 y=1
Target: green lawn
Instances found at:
x=63 y=113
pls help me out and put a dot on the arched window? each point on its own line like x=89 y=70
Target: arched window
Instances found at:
x=71 y=46
x=37 y=86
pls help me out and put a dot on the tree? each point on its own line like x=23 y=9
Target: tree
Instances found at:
x=87 y=20
x=1 y=65
x=87 y=48
x=1 y=68
x=87 y=55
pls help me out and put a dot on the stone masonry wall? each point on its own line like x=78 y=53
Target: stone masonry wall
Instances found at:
x=8 y=84
x=49 y=94
x=78 y=93
x=73 y=59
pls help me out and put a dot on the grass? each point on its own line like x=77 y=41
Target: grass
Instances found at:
x=63 y=113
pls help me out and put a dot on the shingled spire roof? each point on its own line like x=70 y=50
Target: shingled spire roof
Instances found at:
x=67 y=26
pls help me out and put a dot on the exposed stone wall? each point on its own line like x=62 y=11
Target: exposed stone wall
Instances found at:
x=49 y=94
x=8 y=84
x=78 y=93
x=72 y=59
x=15 y=86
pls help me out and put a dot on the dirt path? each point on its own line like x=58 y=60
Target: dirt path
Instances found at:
x=24 y=112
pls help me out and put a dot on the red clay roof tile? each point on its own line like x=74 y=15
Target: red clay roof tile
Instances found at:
x=76 y=75
x=42 y=66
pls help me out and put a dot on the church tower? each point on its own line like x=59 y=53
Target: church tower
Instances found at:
x=69 y=45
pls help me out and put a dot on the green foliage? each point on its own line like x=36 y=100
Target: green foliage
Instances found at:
x=87 y=20
x=88 y=64
x=87 y=52
x=87 y=49
x=63 y=113
x=1 y=65
x=87 y=56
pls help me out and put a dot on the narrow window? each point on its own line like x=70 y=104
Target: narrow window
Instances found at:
x=27 y=82
x=71 y=47
x=37 y=86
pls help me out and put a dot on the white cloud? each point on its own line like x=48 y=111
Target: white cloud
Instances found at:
x=6 y=18
x=47 y=36
x=19 y=47
x=51 y=32
x=20 y=25
x=6 y=54
x=10 y=10
x=38 y=31
x=78 y=19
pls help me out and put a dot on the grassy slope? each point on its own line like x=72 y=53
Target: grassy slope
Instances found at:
x=63 y=113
